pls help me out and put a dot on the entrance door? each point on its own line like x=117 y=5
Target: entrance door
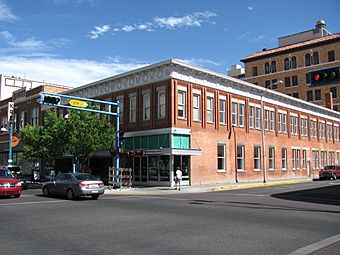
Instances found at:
x=184 y=163
x=144 y=169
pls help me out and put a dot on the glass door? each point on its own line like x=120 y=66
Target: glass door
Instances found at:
x=183 y=162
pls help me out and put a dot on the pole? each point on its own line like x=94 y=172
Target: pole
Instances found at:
x=10 y=158
x=263 y=143
x=117 y=142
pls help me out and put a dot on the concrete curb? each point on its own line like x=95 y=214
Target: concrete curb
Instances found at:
x=253 y=185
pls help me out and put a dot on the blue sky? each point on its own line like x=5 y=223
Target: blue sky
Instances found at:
x=74 y=42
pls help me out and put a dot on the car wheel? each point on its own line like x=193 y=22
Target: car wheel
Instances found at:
x=70 y=194
x=46 y=192
x=16 y=196
x=95 y=196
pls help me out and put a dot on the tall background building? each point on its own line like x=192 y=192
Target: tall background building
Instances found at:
x=307 y=63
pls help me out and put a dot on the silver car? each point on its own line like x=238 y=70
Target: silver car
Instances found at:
x=73 y=185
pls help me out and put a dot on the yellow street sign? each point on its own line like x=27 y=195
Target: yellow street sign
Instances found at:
x=78 y=103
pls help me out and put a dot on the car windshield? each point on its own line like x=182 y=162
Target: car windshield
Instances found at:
x=85 y=177
x=6 y=174
x=329 y=168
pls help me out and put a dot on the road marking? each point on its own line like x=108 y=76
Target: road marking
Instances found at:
x=317 y=246
x=36 y=202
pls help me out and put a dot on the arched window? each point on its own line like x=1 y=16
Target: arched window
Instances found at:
x=307 y=59
x=273 y=67
x=293 y=63
x=315 y=58
x=266 y=68
x=286 y=64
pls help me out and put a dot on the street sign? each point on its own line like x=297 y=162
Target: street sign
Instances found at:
x=78 y=103
x=15 y=141
x=10 y=110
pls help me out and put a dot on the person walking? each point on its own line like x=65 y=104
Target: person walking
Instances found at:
x=178 y=178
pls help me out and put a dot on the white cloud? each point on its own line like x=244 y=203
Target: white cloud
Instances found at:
x=99 y=30
x=196 y=19
x=6 y=13
x=200 y=62
x=29 y=46
x=69 y=72
x=250 y=8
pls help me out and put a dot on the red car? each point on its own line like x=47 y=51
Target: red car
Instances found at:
x=9 y=185
x=330 y=172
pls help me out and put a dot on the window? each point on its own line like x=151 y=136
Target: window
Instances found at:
x=241 y=115
x=196 y=107
x=336 y=134
x=133 y=105
x=323 y=159
x=304 y=159
x=210 y=109
x=295 y=81
x=273 y=67
x=267 y=84
x=240 y=157
x=309 y=96
x=266 y=68
x=287 y=82
x=294 y=128
x=296 y=159
x=258 y=118
x=257 y=158
x=271 y=158
x=331 y=55
x=251 y=116
x=254 y=71
x=330 y=132
x=318 y=94
x=35 y=116
x=284 y=158
x=313 y=128
x=161 y=104
x=296 y=94
x=234 y=114
x=286 y=64
x=274 y=84
x=322 y=130
x=266 y=120
x=304 y=126
x=308 y=60
x=181 y=106
x=222 y=111
x=331 y=158
x=279 y=123
x=315 y=58
x=272 y=121
x=22 y=119
x=221 y=156
x=308 y=78
x=333 y=91
x=293 y=63
x=146 y=105
x=315 y=157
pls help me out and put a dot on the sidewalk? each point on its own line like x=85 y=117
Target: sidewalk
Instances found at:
x=144 y=190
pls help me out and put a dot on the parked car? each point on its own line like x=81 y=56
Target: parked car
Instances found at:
x=16 y=171
x=9 y=185
x=330 y=172
x=74 y=185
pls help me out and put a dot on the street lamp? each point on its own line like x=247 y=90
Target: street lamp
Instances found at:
x=264 y=133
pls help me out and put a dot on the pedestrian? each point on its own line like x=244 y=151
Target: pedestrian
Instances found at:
x=178 y=178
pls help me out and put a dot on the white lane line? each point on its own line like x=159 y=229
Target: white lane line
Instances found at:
x=36 y=202
x=317 y=246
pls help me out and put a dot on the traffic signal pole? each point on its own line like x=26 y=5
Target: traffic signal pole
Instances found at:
x=80 y=103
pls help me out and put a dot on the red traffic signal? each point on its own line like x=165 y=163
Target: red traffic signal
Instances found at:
x=325 y=76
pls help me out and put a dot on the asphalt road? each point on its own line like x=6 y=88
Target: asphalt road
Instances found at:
x=266 y=220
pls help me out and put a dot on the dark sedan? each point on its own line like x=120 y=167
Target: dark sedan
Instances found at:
x=74 y=185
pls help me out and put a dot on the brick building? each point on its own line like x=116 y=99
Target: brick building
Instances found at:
x=293 y=60
x=216 y=128
x=210 y=125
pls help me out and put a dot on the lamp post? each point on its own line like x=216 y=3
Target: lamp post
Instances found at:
x=263 y=131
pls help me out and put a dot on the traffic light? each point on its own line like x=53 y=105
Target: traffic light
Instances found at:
x=325 y=76
x=50 y=100
x=121 y=139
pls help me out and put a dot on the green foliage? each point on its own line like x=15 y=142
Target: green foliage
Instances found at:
x=79 y=135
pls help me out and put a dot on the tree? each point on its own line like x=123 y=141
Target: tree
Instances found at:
x=45 y=142
x=80 y=134
x=88 y=132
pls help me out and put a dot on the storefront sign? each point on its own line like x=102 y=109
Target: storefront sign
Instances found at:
x=152 y=152
x=15 y=141
x=78 y=103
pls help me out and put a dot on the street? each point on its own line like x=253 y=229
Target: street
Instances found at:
x=266 y=220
